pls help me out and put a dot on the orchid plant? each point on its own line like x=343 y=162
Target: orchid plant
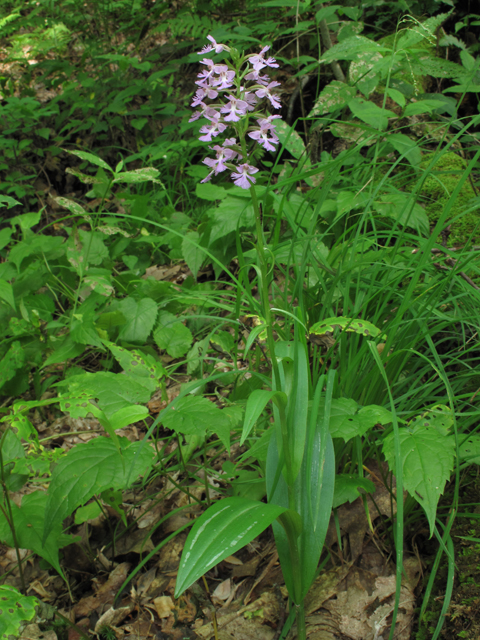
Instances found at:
x=300 y=468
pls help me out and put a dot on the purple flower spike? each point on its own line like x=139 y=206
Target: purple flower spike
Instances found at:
x=218 y=164
x=225 y=78
x=242 y=178
x=212 y=129
x=218 y=48
x=266 y=93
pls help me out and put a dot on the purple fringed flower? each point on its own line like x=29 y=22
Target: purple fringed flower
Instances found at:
x=223 y=153
x=262 y=138
x=242 y=177
x=266 y=93
x=212 y=129
x=235 y=109
x=258 y=61
x=218 y=48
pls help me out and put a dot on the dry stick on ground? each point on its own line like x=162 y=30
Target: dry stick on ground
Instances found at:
x=327 y=42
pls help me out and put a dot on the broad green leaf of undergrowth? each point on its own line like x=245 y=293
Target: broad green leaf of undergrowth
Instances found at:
x=140 y=318
x=223 y=529
x=407 y=147
x=91 y=468
x=470 y=449
x=335 y=95
x=145 y=174
x=11 y=362
x=172 y=335
x=347 y=488
x=256 y=403
x=231 y=213
x=84 y=155
x=350 y=48
x=195 y=415
x=193 y=256
x=363 y=327
x=113 y=391
x=371 y=114
x=348 y=419
x=427 y=459
x=15 y=610
x=139 y=365
x=6 y=293
x=30 y=520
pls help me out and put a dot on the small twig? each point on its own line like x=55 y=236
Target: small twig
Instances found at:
x=327 y=41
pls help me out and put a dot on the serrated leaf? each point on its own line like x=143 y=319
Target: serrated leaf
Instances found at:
x=223 y=529
x=138 y=365
x=91 y=468
x=15 y=610
x=140 y=319
x=348 y=419
x=172 y=335
x=231 y=213
x=347 y=488
x=29 y=520
x=427 y=460
x=470 y=449
x=195 y=415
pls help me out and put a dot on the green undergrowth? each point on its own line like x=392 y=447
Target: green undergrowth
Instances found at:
x=337 y=302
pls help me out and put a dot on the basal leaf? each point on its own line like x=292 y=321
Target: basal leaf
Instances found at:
x=223 y=529
x=91 y=468
x=427 y=459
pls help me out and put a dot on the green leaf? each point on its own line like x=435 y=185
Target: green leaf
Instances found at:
x=6 y=293
x=210 y=191
x=195 y=415
x=138 y=175
x=290 y=139
x=67 y=350
x=13 y=360
x=83 y=330
x=192 y=254
x=402 y=208
x=15 y=610
x=29 y=521
x=347 y=488
x=113 y=391
x=5 y=235
x=427 y=460
x=256 y=403
x=351 y=48
x=406 y=147
x=335 y=95
x=84 y=155
x=91 y=468
x=26 y=220
x=470 y=449
x=348 y=419
x=10 y=202
x=363 y=327
x=128 y=415
x=142 y=366
x=223 y=529
x=371 y=114
x=88 y=512
x=422 y=106
x=231 y=213
x=72 y=206
x=172 y=335
x=140 y=319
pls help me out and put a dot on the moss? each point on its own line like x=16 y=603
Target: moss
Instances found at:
x=436 y=192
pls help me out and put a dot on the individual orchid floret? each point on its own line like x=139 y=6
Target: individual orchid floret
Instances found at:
x=256 y=77
x=218 y=48
x=243 y=177
x=203 y=93
x=251 y=99
x=265 y=92
x=225 y=78
x=206 y=111
x=235 y=109
x=262 y=138
x=258 y=61
x=212 y=129
x=207 y=77
x=218 y=164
